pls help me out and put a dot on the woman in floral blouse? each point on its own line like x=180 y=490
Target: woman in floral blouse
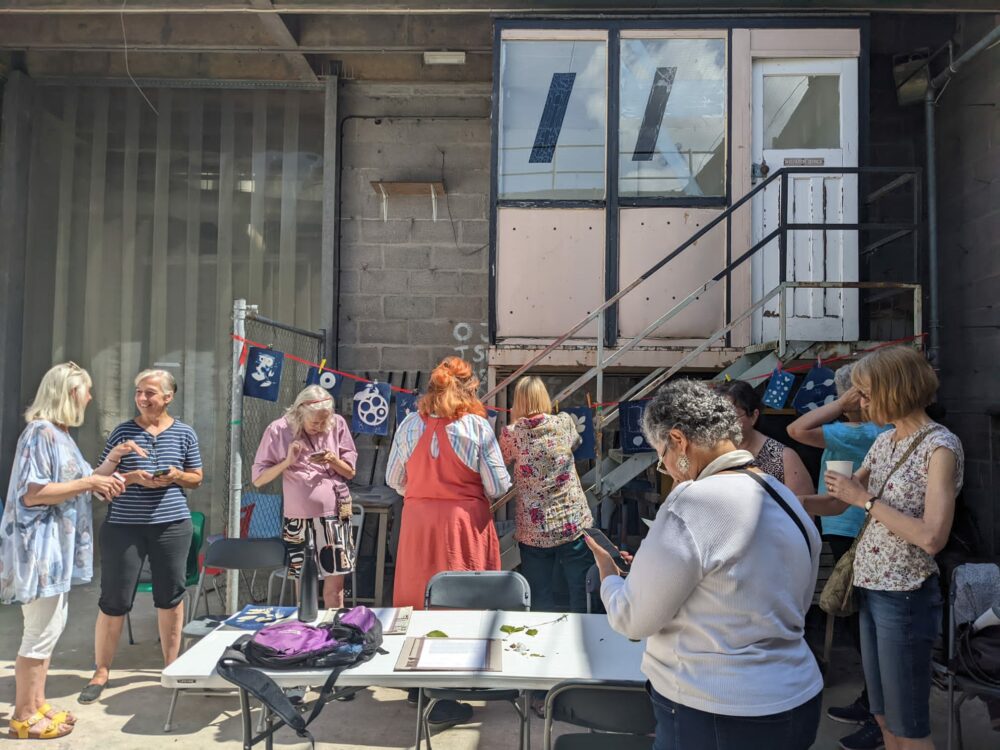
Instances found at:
x=907 y=484
x=551 y=508
x=47 y=539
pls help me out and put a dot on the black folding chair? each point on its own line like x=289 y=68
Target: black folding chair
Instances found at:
x=226 y=554
x=503 y=590
x=975 y=587
x=618 y=715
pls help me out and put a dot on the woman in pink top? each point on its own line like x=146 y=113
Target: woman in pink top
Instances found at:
x=312 y=450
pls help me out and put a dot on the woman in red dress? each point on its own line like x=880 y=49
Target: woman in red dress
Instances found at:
x=446 y=463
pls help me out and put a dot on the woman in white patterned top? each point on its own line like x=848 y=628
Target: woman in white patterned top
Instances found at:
x=907 y=484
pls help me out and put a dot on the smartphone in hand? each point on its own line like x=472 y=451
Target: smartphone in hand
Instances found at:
x=601 y=538
x=160 y=473
x=317 y=456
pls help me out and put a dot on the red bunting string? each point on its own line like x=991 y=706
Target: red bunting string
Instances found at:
x=593 y=404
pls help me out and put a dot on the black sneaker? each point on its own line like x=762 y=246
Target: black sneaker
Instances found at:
x=869 y=737
x=856 y=713
x=448 y=713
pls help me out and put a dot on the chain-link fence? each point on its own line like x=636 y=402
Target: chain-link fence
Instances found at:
x=261 y=508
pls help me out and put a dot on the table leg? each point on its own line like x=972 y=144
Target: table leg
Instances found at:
x=383 y=526
x=247 y=719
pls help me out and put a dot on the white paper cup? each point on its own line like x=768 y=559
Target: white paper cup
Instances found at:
x=841 y=467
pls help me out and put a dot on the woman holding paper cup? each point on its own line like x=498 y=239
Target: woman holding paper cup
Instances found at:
x=907 y=486
x=845 y=437
x=312 y=450
x=46 y=539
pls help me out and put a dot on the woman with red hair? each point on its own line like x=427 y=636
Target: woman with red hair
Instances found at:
x=446 y=463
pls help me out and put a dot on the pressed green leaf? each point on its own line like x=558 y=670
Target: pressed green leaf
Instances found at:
x=436 y=634
x=511 y=629
x=531 y=631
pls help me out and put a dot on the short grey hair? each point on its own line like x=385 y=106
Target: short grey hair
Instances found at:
x=842 y=379
x=705 y=417
x=168 y=383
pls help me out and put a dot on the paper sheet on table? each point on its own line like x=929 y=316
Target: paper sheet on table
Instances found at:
x=450 y=655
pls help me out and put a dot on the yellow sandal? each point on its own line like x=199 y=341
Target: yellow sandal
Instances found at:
x=59 y=717
x=22 y=730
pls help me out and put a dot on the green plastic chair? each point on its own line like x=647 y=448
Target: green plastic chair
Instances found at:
x=191 y=578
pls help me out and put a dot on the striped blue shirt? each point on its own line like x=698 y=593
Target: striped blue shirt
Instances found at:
x=176 y=446
x=471 y=437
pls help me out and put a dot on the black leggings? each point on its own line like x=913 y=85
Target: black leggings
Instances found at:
x=124 y=548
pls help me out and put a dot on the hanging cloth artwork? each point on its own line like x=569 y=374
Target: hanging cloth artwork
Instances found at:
x=583 y=418
x=630 y=413
x=406 y=404
x=263 y=373
x=778 y=388
x=325 y=379
x=371 y=408
x=816 y=390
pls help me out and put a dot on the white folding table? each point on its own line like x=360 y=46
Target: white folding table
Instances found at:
x=570 y=646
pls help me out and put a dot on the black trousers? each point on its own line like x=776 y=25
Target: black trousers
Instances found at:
x=124 y=549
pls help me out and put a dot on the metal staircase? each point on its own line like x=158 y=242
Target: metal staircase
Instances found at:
x=611 y=471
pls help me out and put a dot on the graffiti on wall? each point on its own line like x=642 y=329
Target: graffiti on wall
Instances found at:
x=471 y=343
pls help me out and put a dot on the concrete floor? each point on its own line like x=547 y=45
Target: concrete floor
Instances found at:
x=131 y=712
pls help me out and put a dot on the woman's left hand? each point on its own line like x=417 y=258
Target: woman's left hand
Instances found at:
x=605 y=565
x=846 y=489
x=326 y=459
x=171 y=477
x=123 y=449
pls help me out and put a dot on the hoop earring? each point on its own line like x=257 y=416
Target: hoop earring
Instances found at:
x=683 y=464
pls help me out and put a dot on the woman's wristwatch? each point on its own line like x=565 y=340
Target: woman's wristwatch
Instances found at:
x=870 y=503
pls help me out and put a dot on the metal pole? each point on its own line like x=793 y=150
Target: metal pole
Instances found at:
x=930 y=100
x=235 y=445
x=599 y=412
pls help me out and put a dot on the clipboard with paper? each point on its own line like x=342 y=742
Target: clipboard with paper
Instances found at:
x=450 y=655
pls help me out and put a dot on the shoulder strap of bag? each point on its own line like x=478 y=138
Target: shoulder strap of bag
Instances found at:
x=781 y=501
x=899 y=463
x=906 y=454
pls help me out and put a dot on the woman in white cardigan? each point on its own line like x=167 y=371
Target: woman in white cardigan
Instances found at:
x=719 y=588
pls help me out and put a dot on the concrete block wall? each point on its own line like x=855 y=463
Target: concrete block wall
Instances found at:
x=968 y=130
x=413 y=290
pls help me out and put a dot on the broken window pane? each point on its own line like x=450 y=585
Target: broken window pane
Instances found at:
x=672 y=127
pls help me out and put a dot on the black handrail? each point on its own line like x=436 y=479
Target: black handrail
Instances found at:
x=781 y=233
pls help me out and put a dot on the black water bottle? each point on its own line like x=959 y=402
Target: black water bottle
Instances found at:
x=309 y=581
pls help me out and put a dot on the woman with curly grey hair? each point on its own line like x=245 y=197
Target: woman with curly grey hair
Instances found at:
x=726 y=658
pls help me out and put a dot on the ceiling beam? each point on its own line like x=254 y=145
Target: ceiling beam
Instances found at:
x=275 y=26
x=503 y=7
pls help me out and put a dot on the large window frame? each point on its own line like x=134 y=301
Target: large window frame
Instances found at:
x=615 y=28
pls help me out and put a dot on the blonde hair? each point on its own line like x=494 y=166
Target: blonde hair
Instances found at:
x=60 y=396
x=898 y=381
x=451 y=392
x=311 y=400
x=168 y=383
x=530 y=397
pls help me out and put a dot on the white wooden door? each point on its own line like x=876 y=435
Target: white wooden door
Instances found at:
x=805 y=113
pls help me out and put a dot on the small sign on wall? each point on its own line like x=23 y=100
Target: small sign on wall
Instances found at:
x=804 y=161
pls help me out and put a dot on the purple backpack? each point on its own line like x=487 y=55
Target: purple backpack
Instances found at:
x=354 y=636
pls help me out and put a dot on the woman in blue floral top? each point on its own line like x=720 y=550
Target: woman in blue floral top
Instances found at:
x=551 y=510
x=46 y=539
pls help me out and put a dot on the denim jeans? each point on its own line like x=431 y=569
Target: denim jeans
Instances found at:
x=548 y=567
x=681 y=728
x=898 y=630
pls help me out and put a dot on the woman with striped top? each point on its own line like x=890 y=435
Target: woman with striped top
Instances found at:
x=159 y=458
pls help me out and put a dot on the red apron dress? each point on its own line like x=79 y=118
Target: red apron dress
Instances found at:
x=446 y=522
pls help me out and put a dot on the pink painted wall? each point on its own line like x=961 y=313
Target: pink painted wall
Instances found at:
x=550 y=270
x=646 y=235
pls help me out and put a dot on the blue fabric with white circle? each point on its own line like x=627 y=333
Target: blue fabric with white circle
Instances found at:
x=778 y=388
x=371 y=408
x=817 y=390
x=327 y=380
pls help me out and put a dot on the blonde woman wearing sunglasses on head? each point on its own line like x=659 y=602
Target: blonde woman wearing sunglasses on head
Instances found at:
x=46 y=539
